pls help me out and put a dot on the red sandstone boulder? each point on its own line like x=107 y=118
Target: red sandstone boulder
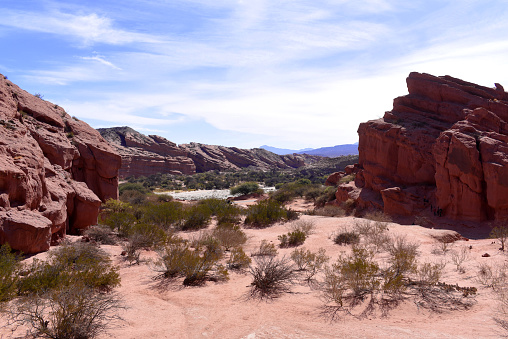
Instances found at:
x=54 y=171
x=443 y=147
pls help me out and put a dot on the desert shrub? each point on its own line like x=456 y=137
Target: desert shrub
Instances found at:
x=330 y=211
x=402 y=261
x=442 y=246
x=265 y=213
x=195 y=266
x=292 y=215
x=120 y=221
x=238 y=259
x=226 y=212
x=428 y=274
x=73 y=312
x=351 y=278
x=133 y=197
x=164 y=198
x=68 y=265
x=128 y=186
x=147 y=235
x=101 y=234
x=163 y=214
x=265 y=249
x=195 y=218
x=458 y=257
x=500 y=232
x=349 y=206
x=305 y=226
x=230 y=237
x=9 y=266
x=281 y=196
x=358 y=279
x=271 y=276
x=495 y=277
x=292 y=239
x=246 y=188
x=313 y=193
x=403 y=255
x=374 y=233
x=347 y=178
x=310 y=262
x=346 y=238
x=327 y=195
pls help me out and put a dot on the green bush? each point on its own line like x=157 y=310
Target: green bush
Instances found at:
x=230 y=237
x=178 y=260
x=292 y=239
x=265 y=249
x=9 y=266
x=195 y=218
x=101 y=234
x=238 y=259
x=128 y=186
x=265 y=213
x=246 y=188
x=120 y=221
x=347 y=238
x=226 y=212
x=163 y=214
x=68 y=265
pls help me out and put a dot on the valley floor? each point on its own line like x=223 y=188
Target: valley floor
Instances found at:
x=158 y=309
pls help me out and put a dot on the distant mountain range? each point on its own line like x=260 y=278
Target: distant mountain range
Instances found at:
x=333 y=151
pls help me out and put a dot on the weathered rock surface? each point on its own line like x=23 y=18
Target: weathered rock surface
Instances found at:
x=442 y=148
x=146 y=155
x=54 y=171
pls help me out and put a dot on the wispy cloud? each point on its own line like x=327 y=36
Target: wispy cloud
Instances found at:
x=88 y=29
x=302 y=73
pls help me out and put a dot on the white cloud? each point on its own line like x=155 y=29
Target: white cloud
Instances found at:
x=88 y=29
x=101 y=60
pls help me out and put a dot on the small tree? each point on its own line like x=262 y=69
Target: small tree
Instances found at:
x=245 y=188
x=500 y=232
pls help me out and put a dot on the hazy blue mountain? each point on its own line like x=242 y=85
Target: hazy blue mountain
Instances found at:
x=284 y=151
x=333 y=151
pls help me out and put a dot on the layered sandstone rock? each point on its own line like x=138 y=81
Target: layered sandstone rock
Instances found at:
x=442 y=148
x=54 y=171
x=146 y=155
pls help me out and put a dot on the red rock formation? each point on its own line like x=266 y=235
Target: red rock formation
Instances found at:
x=444 y=145
x=146 y=155
x=54 y=171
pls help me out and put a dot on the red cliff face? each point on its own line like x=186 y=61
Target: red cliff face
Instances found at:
x=443 y=146
x=54 y=171
x=146 y=155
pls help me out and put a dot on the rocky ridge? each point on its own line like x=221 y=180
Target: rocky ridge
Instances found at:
x=442 y=149
x=54 y=171
x=146 y=155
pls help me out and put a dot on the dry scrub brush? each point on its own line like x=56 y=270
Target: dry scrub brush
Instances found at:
x=359 y=279
x=309 y=263
x=271 y=276
x=195 y=266
x=67 y=296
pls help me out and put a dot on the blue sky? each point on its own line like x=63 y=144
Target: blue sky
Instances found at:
x=287 y=73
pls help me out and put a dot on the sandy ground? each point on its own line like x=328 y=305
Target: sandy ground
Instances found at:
x=223 y=310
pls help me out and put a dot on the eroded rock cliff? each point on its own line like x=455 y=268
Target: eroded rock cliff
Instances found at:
x=54 y=171
x=443 y=148
x=146 y=155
